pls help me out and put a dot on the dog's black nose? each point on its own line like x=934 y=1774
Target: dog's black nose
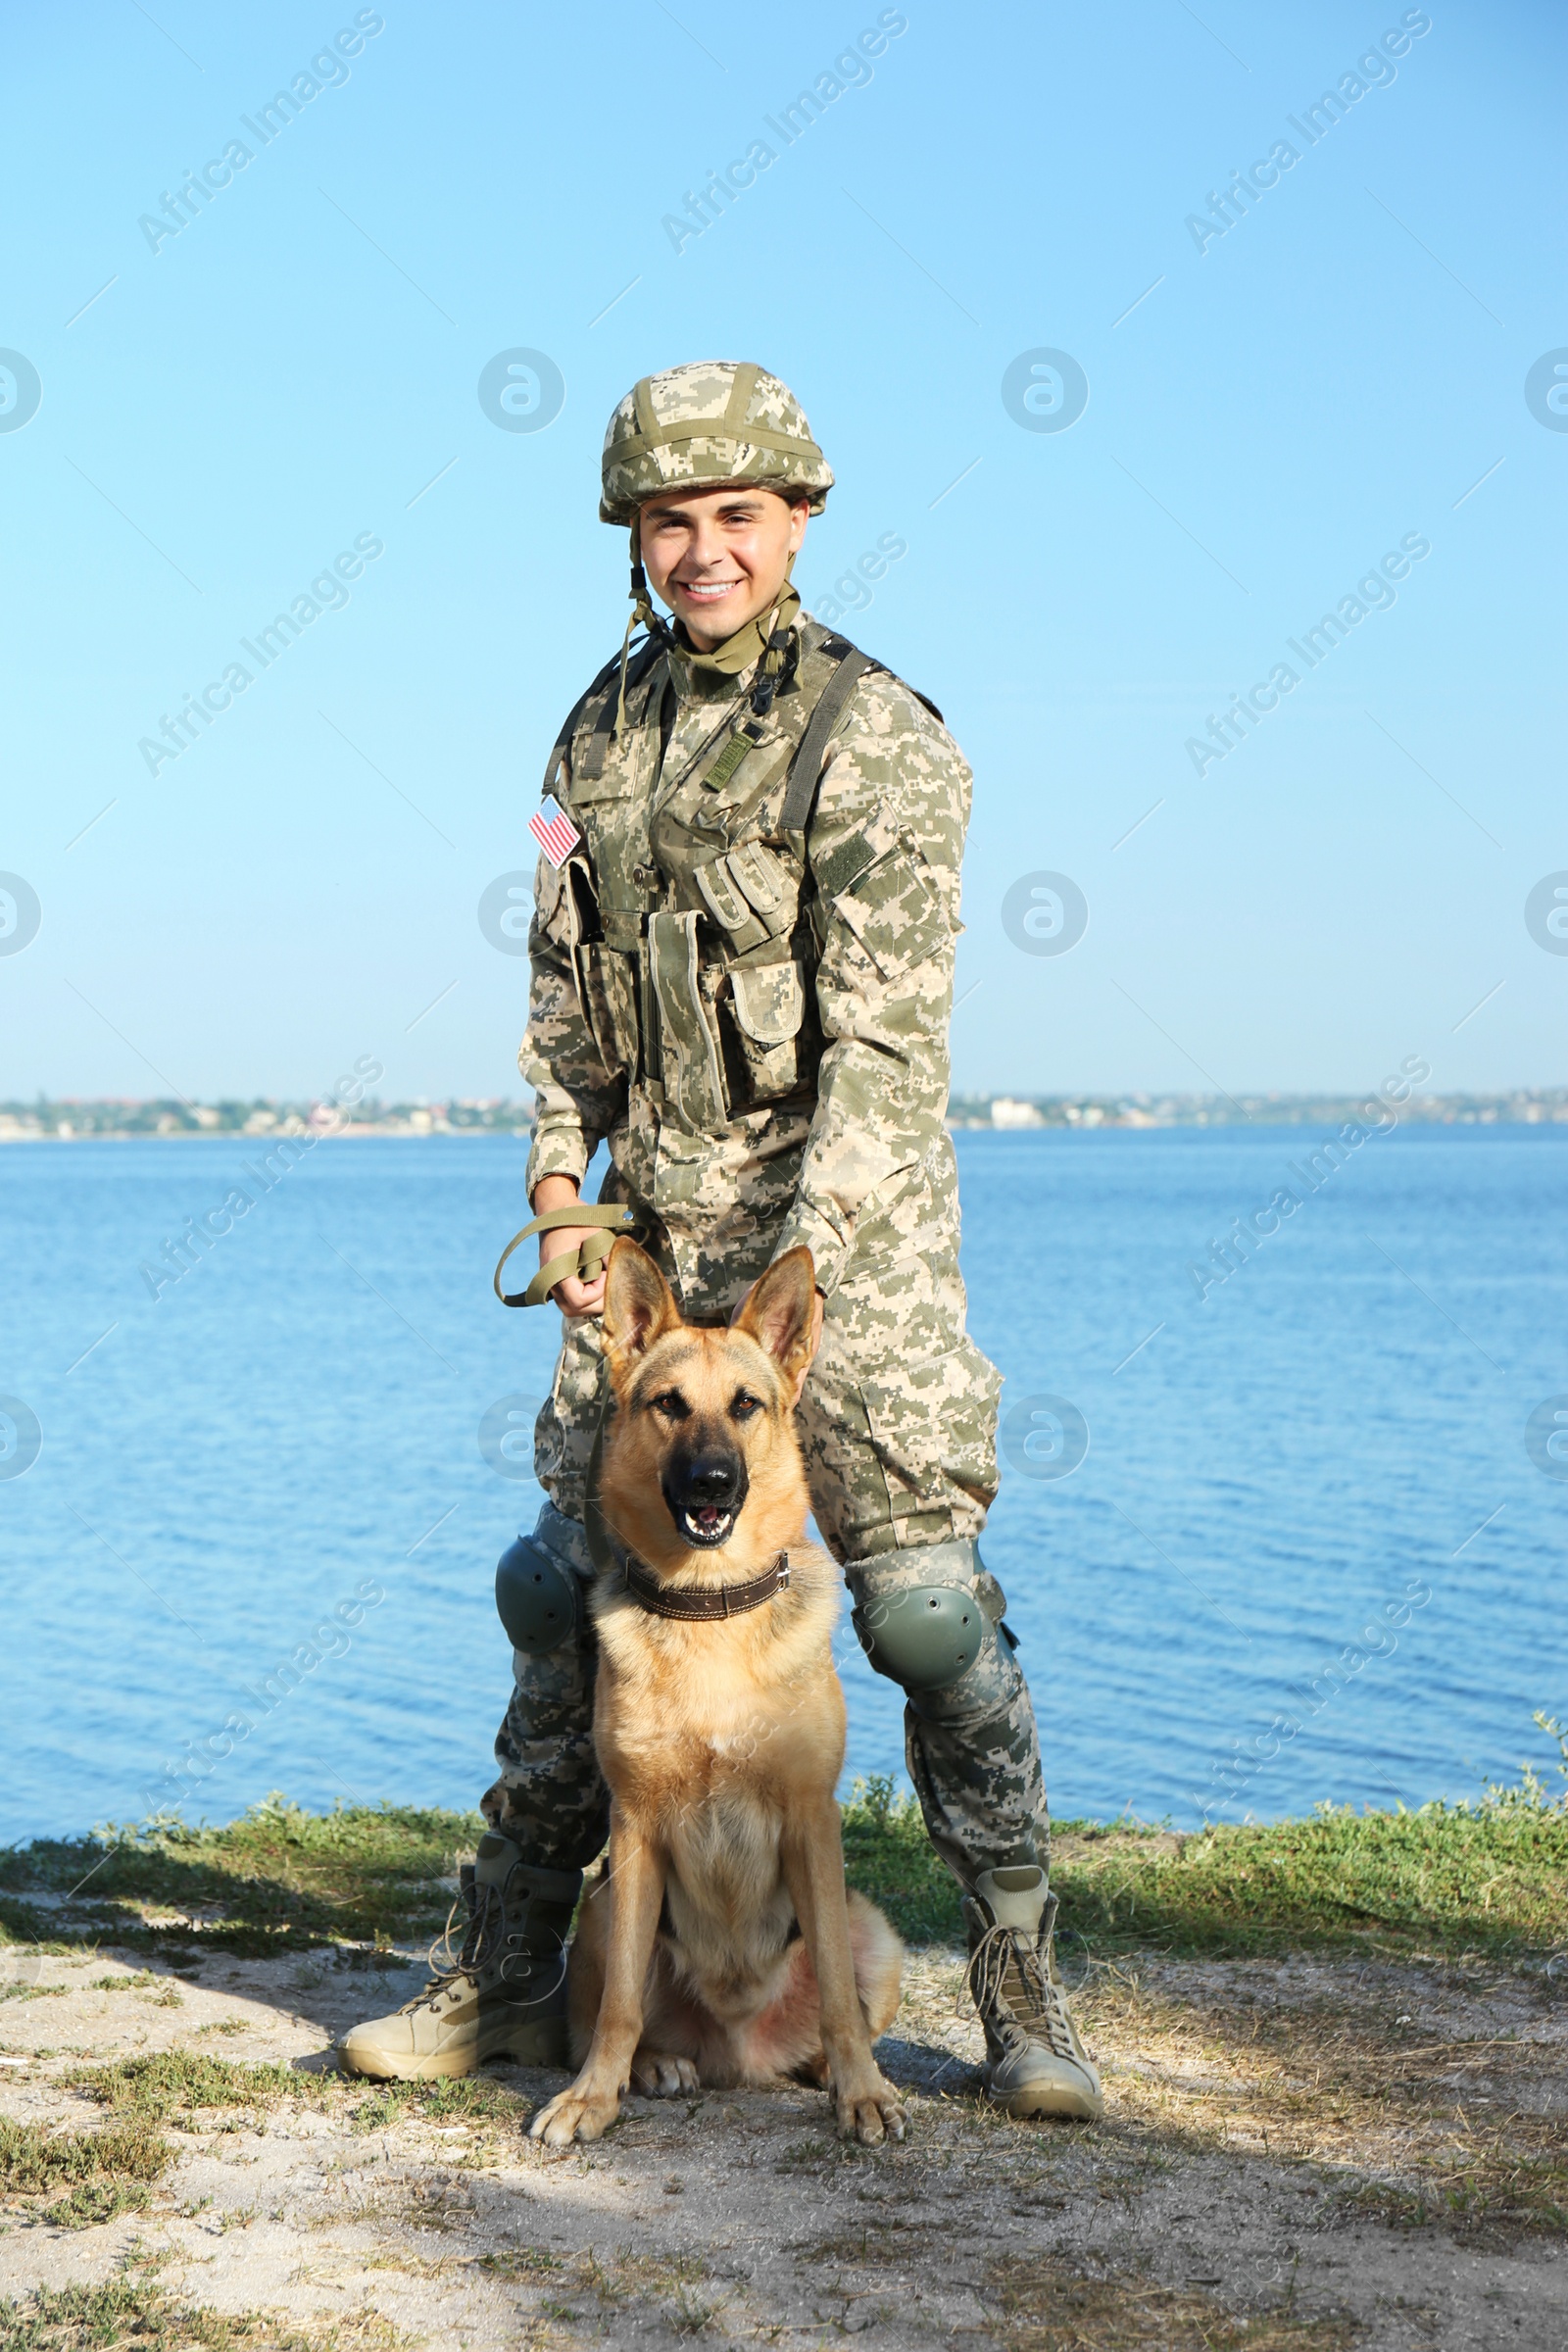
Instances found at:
x=711 y=1478
x=705 y=1490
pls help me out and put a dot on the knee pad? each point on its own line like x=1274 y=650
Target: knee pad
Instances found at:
x=920 y=1617
x=538 y=1599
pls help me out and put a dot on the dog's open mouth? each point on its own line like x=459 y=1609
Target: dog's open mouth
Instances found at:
x=705 y=1522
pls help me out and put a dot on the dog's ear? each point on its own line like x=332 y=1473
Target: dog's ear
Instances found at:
x=639 y=1304
x=779 y=1312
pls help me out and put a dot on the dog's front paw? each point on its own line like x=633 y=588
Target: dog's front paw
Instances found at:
x=662 y=2076
x=868 y=2111
x=580 y=2113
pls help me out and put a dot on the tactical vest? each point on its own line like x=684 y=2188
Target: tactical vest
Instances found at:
x=693 y=919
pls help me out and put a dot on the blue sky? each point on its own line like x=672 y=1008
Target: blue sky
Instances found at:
x=297 y=369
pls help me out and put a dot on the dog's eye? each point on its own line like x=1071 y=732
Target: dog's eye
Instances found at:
x=673 y=1404
x=745 y=1405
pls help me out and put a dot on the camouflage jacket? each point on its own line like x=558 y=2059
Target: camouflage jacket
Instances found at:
x=757 y=1022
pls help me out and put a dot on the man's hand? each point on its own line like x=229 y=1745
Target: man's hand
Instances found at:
x=573 y=1297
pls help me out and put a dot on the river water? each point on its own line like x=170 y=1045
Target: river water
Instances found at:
x=318 y=1425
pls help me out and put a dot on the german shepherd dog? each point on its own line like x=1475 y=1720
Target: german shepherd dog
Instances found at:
x=719 y=1946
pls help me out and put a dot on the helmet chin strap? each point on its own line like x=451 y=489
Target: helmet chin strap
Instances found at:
x=771 y=668
x=641 y=613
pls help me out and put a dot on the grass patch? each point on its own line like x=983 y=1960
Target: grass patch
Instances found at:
x=1445 y=1879
x=518 y=2263
x=1487 y=1878
x=179 y=2086
x=458 y=2099
x=1048 y=2305
x=169 y=2083
x=74 y=2178
x=278 y=1879
x=690 y=2315
x=126 y=2313
x=875 y=2245
x=1487 y=2188
x=889 y=1857
x=132 y=2315
x=23 y=1923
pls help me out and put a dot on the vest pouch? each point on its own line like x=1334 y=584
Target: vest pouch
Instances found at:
x=695 y=1096
x=608 y=985
x=768 y=884
x=752 y=896
x=731 y=911
x=767 y=1005
x=602 y=763
x=613 y=782
x=604 y=989
x=769 y=1001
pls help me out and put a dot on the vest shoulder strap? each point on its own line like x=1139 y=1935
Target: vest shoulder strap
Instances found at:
x=640 y=666
x=569 y=725
x=805 y=768
x=598 y=744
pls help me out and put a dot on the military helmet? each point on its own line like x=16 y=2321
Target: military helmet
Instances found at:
x=711 y=421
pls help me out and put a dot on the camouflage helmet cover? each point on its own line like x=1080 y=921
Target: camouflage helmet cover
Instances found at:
x=711 y=421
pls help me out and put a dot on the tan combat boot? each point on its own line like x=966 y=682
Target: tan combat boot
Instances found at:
x=1034 y=2062
x=504 y=1995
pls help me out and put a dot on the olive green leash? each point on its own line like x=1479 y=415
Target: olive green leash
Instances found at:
x=586 y=1261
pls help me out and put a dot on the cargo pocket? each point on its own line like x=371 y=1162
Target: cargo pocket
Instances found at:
x=930 y=1399
x=693 y=1078
x=935 y=1425
x=896 y=912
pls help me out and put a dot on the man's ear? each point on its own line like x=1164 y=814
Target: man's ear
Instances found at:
x=778 y=1315
x=639 y=1305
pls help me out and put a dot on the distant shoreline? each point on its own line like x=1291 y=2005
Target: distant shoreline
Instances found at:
x=272 y=1135
x=260 y=1123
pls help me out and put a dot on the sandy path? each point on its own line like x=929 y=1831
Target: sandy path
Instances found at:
x=1272 y=2130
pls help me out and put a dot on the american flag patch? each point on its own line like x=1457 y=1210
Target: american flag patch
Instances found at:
x=554 y=831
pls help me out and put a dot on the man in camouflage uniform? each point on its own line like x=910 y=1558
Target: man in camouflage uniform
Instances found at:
x=742 y=978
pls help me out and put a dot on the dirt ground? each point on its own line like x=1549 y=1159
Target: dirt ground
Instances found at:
x=1303 y=2154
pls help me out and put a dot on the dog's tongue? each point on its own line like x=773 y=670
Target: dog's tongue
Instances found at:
x=708 y=1514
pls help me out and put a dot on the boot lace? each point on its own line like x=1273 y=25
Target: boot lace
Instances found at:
x=448 y=1967
x=485 y=1940
x=486 y=1926
x=1044 y=2016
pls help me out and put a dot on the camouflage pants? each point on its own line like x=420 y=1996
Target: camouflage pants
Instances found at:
x=898 y=1424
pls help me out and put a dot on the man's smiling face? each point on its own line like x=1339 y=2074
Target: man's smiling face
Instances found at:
x=718 y=557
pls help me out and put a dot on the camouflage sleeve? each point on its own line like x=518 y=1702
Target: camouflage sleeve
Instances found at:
x=576 y=1101
x=885 y=848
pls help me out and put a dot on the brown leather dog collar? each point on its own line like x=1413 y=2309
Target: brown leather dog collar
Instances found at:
x=704 y=1602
